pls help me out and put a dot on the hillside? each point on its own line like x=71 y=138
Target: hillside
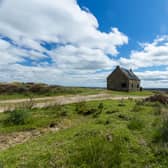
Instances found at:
x=18 y=90
x=96 y=134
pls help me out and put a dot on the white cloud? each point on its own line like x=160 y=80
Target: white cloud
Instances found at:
x=11 y=54
x=71 y=57
x=81 y=51
x=82 y=48
x=154 y=79
x=152 y=54
x=57 y=21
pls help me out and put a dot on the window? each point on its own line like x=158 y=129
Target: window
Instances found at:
x=132 y=85
x=137 y=85
x=123 y=85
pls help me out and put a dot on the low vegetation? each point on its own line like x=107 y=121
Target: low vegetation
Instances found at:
x=135 y=124
x=17 y=117
x=97 y=134
x=30 y=90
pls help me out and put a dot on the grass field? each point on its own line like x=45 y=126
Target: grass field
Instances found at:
x=95 y=134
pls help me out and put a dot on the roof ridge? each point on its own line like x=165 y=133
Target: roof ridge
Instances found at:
x=129 y=73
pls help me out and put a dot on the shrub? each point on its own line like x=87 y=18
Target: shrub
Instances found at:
x=135 y=124
x=163 y=99
x=17 y=117
x=39 y=88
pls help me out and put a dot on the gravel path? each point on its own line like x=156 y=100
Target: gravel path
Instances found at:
x=45 y=101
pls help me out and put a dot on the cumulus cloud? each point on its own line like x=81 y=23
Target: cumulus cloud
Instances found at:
x=152 y=54
x=154 y=79
x=80 y=47
x=83 y=58
x=79 y=55
x=56 y=21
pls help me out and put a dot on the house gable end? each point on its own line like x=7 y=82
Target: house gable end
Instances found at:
x=117 y=71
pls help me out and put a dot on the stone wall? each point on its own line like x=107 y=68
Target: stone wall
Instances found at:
x=134 y=85
x=120 y=82
x=117 y=80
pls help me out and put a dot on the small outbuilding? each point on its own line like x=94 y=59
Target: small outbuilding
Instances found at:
x=122 y=79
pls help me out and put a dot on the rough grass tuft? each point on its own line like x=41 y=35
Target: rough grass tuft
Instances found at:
x=17 y=117
x=94 y=152
x=136 y=124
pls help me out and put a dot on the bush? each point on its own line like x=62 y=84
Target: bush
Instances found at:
x=161 y=98
x=135 y=124
x=17 y=117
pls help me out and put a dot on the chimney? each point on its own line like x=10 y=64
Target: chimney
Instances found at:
x=118 y=66
x=131 y=70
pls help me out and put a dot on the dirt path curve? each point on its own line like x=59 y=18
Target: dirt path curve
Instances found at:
x=45 y=101
x=12 y=139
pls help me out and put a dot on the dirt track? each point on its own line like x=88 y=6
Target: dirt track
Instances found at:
x=12 y=139
x=45 y=101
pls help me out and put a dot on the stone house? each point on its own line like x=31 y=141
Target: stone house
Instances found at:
x=122 y=79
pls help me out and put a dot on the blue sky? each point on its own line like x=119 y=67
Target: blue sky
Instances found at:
x=79 y=42
x=140 y=20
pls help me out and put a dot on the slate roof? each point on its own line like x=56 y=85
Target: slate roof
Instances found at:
x=129 y=74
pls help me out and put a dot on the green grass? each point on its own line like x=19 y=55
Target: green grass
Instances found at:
x=136 y=93
x=110 y=139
